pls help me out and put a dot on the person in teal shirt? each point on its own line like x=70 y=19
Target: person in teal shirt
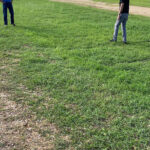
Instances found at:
x=7 y=4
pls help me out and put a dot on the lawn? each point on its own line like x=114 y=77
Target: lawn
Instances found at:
x=144 y=3
x=96 y=92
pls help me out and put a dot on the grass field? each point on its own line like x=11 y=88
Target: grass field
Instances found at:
x=96 y=92
x=144 y=3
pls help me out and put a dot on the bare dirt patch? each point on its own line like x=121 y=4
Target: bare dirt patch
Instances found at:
x=19 y=127
x=136 y=10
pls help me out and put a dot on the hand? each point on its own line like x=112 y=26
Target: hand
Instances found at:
x=118 y=18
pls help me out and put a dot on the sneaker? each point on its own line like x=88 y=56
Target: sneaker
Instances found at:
x=113 y=40
x=125 y=42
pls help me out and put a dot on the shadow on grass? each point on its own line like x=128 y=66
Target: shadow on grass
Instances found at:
x=131 y=43
x=45 y=31
x=139 y=42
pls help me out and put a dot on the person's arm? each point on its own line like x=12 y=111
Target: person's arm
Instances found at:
x=120 y=10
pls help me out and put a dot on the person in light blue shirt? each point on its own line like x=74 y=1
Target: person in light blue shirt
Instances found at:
x=7 y=4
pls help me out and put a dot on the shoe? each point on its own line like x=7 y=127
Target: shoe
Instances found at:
x=125 y=42
x=113 y=40
x=13 y=25
x=5 y=25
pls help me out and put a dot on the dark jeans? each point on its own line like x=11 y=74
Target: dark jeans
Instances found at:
x=10 y=7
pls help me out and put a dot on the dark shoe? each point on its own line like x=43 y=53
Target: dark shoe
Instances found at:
x=113 y=40
x=125 y=42
x=13 y=25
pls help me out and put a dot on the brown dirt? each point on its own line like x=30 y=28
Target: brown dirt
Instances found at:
x=19 y=127
x=136 y=10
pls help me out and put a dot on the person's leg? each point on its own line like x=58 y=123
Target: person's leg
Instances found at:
x=117 y=24
x=11 y=10
x=123 y=26
x=5 y=13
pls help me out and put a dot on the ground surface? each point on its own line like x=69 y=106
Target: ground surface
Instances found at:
x=63 y=83
x=136 y=10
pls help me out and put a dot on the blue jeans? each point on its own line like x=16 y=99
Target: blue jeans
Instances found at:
x=10 y=7
x=123 y=20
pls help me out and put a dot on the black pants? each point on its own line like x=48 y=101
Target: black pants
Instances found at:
x=10 y=7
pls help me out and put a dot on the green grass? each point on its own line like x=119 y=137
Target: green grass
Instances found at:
x=99 y=91
x=144 y=3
